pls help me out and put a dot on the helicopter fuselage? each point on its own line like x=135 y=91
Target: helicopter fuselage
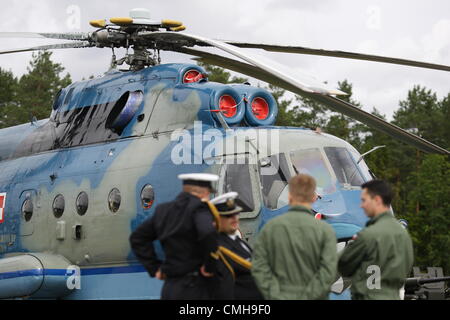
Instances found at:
x=74 y=186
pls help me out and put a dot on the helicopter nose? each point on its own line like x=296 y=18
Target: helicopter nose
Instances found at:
x=341 y=210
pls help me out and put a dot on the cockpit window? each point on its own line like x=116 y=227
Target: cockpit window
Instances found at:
x=365 y=171
x=311 y=162
x=57 y=103
x=237 y=178
x=344 y=166
x=58 y=100
x=275 y=176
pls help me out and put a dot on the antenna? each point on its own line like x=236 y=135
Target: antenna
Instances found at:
x=222 y=121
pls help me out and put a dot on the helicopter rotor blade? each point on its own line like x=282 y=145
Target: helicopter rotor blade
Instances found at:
x=79 y=36
x=69 y=45
x=332 y=102
x=339 y=54
x=305 y=82
x=320 y=94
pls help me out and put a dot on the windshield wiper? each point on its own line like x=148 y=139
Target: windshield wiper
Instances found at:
x=370 y=151
x=360 y=159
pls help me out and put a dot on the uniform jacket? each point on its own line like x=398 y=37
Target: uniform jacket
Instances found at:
x=187 y=235
x=383 y=243
x=243 y=287
x=295 y=257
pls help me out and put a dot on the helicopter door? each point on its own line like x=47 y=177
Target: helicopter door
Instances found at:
x=238 y=173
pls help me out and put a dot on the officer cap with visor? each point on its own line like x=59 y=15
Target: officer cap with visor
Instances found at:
x=226 y=204
x=204 y=180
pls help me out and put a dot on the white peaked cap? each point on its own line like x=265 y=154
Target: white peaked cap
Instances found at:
x=224 y=197
x=199 y=177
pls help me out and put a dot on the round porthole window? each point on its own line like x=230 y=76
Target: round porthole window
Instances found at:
x=27 y=209
x=147 y=196
x=114 y=200
x=58 y=206
x=82 y=203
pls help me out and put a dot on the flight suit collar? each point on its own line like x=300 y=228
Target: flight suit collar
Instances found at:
x=301 y=209
x=377 y=218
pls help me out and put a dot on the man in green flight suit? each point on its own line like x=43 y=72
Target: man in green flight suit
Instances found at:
x=295 y=255
x=381 y=255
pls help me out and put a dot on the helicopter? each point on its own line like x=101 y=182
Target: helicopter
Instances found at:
x=74 y=186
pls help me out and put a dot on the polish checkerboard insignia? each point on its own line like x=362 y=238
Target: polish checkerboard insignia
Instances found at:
x=2 y=206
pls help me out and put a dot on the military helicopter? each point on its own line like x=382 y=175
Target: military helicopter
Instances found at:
x=75 y=185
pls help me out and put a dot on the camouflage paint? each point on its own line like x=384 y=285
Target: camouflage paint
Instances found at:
x=140 y=156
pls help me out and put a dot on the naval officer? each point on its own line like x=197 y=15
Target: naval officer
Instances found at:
x=237 y=283
x=186 y=232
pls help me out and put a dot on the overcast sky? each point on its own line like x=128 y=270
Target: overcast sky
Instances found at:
x=417 y=30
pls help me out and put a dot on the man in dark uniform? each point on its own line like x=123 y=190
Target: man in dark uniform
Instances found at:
x=242 y=286
x=185 y=230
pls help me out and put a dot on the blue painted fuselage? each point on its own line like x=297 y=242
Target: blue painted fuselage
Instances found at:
x=81 y=148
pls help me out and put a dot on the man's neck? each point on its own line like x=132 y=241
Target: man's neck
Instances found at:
x=200 y=196
x=231 y=235
x=303 y=204
x=228 y=232
x=379 y=211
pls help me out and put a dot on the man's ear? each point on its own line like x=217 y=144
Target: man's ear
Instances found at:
x=378 y=200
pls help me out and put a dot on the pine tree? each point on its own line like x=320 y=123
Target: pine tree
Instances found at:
x=423 y=115
x=8 y=93
x=36 y=90
x=428 y=212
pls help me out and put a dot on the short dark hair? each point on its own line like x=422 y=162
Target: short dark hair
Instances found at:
x=379 y=188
